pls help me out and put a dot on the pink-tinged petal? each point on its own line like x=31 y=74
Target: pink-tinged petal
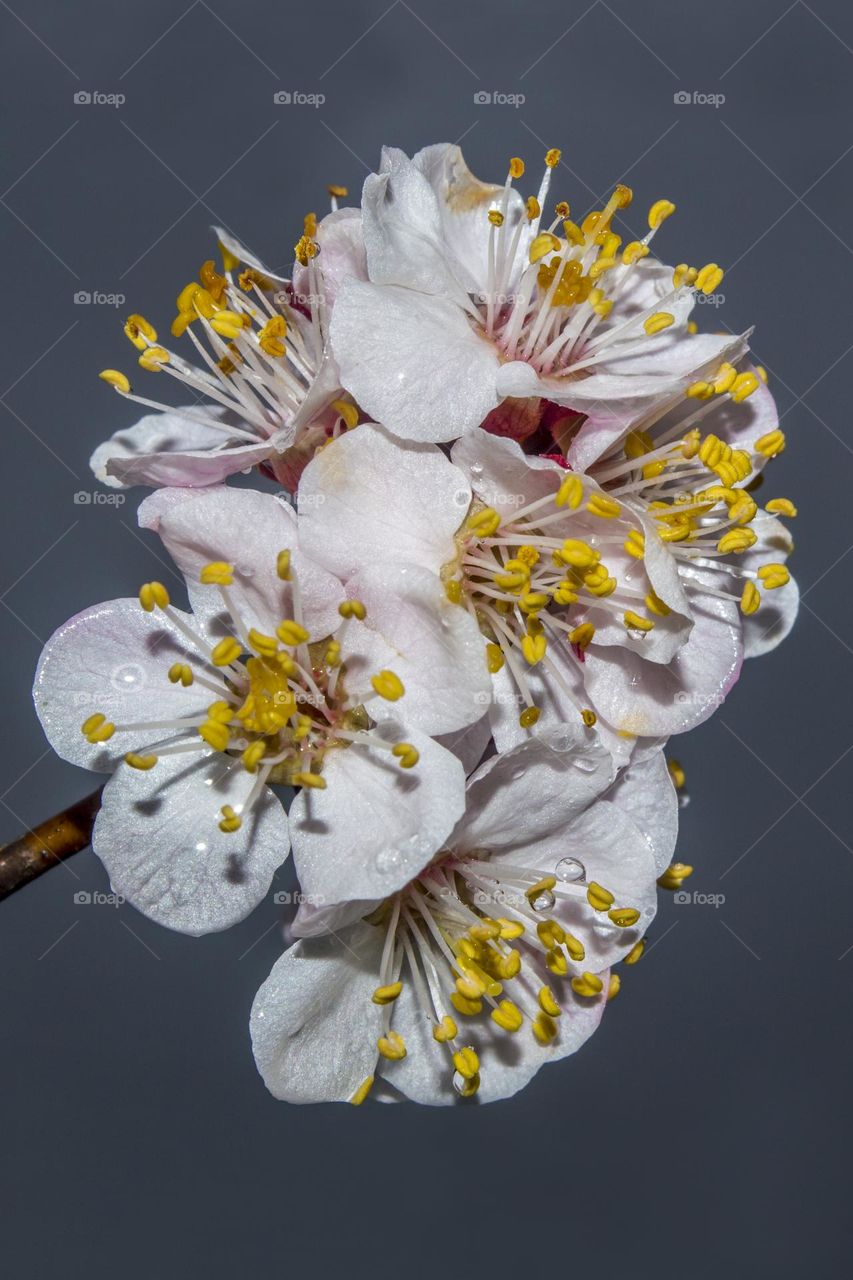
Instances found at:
x=502 y=475
x=514 y=419
x=246 y=529
x=649 y=700
x=113 y=659
x=413 y=362
x=434 y=646
x=375 y=826
x=314 y=1025
x=180 y=447
x=157 y=834
x=367 y=498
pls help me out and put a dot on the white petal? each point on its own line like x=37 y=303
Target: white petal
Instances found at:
x=247 y=529
x=314 y=1026
x=435 y=647
x=341 y=258
x=413 y=362
x=375 y=826
x=246 y=257
x=158 y=836
x=113 y=659
x=502 y=475
x=402 y=228
x=367 y=498
x=645 y=792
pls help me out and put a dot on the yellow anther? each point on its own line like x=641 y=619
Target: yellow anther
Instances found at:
x=588 y=984
x=532 y=208
x=186 y=298
x=153 y=595
x=266 y=646
x=691 y=442
x=215 y=734
x=314 y=781
x=509 y=966
x=636 y=622
x=635 y=544
x=387 y=994
x=676 y=772
x=743 y=509
x=470 y=1008
x=570 y=492
x=598 y=269
x=271 y=336
x=484 y=523
x=141 y=333
x=230 y=821
x=636 y=952
x=674 y=876
x=217 y=573
x=533 y=648
x=220 y=711
x=614 y=986
x=709 y=278
x=744 y=385
x=211 y=280
x=589 y=717
x=771 y=444
x=556 y=961
x=352 y=609
x=544 y=1028
x=654 y=604
x=736 y=541
x=228 y=650
x=337 y=192
x=599 y=898
x=494 y=658
x=392 y=1046
x=601 y=587
x=362 y=1091
x=700 y=391
x=528 y=717
x=508 y=1016
x=347 y=411
x=750 y=598
x=565 y=593
x=550 y=933
x=181 y=673
x=660 y=210
x=575 y=948
x=578 y=554
x=388 y=685
x=466 y=1063
x=305 y=249
x=406 y=754
x=658 y=322
x=726 y=377
x=292 y=633
x=445 y=1030
x=228 y=324
x=624 y=917
x=582 y=635
x=553 y=157
x=572 y=232
x=153 y=357
x=600 y=505
x=496 y=218
x=252 y=756
x=510 y=929
x=453 y=590
x=542 y=245
x=781 y=507
x=773 y=576
x=548 y=1003
x=683 y=274
x=633 y=252
x=115 y=379
x=140 y=762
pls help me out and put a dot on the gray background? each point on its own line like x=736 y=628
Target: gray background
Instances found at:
x=705 y=1130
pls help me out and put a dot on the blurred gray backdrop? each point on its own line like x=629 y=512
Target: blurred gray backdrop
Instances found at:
x=705 y=1130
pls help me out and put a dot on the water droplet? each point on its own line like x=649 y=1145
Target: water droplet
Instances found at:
x=476 y=468
x=683 y=799
x=245 y=571
x=649 y=913
x=517 y=775
x=544 y=901
x=584 y=764
x=569 y=869
x=387 y=860
x=201 y=846
x=465 y=1088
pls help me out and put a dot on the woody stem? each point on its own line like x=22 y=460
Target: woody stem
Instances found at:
x=48 y=844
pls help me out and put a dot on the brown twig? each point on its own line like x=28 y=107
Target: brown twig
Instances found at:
x=48 y=844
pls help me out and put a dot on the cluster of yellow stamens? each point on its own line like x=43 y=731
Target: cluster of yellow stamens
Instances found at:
x=458 y=959
x=280 y=700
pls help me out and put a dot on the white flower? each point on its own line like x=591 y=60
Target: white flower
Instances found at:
x=267 y=390
x=475 y=298
x=495 y=959
x=547 y=564
x=275 y=677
